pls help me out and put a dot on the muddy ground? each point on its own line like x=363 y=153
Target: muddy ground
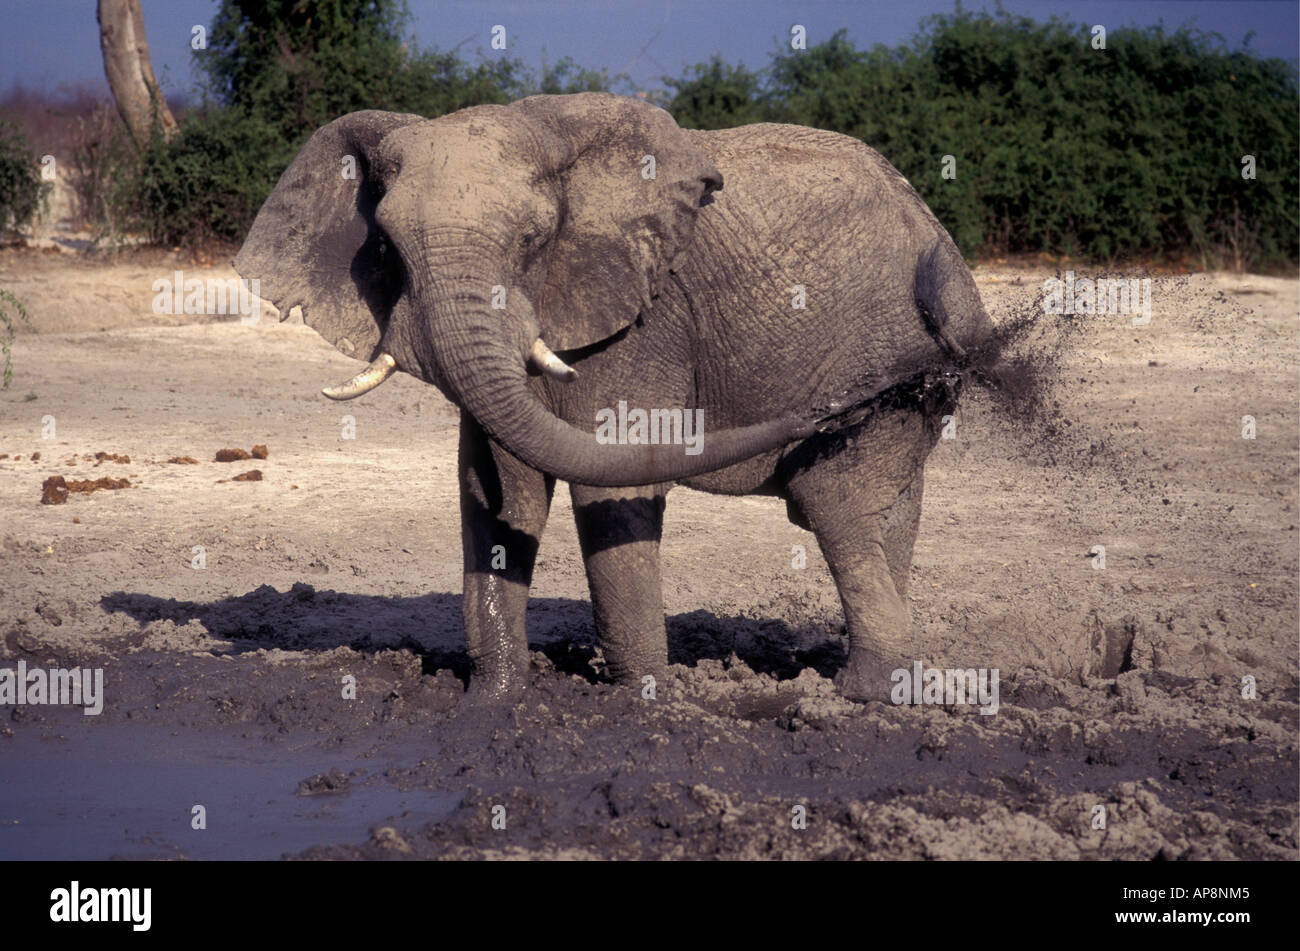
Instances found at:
x=1123 y=687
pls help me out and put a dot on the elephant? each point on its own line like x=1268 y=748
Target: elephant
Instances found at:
x=550 y=263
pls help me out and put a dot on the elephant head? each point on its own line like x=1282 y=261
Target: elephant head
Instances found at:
x=466 y=249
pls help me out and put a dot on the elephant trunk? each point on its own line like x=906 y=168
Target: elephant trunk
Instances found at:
x=482 y=365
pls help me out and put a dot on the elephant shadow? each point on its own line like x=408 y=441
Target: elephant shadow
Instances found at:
x=306 y=619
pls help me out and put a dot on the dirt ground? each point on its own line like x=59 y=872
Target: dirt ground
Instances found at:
x=1126 y=687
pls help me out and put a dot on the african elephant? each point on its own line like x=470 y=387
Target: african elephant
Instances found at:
x=543 y=262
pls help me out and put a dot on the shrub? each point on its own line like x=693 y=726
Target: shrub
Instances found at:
x=1132 y=150
x=715 y=95
x=276 y=71
x=1135 y=149
x=8 y=302
x=207 y=183
x=21 y=188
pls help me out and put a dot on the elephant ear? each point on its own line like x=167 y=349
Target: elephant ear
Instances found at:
x=632 y=184
x=315 y=241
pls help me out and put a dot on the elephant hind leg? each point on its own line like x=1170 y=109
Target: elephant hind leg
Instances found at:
x=875 y=612
x=902 y=519
x=866 y=528
x=619 y=531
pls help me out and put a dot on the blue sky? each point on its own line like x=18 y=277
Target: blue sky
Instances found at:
x=48 y=42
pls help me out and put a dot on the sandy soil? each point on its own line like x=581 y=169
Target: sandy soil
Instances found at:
x=1121 y=688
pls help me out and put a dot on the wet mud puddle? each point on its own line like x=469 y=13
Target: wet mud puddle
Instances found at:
x=117 y=792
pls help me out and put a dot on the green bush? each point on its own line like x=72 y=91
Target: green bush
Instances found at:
x=566 y=77
x=8 y=302
x=1132 y=150
x=21 y=188
x=278 y=70
x=715 y=95
x=207 y=183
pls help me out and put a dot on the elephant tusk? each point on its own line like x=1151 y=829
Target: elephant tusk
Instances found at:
x=545 y=360
x=380 y=369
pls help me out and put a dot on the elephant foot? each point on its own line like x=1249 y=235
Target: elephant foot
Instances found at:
x=495 y=685
x=866 y=677
x=492 y=695
x=646 y=672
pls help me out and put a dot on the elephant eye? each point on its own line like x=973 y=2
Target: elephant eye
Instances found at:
x=534 y=228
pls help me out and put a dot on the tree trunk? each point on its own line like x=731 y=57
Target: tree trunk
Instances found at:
x=130 y=73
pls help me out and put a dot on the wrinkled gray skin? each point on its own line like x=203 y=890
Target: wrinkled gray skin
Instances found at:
x=669 y=291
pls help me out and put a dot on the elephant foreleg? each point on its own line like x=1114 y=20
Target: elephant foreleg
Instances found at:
x=619 y=530
x=503 y=505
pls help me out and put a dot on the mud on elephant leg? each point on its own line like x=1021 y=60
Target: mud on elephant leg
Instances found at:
x=877 y=618
x=619 y=530
x=503 y=507
x=902 y=520
x=868 y=549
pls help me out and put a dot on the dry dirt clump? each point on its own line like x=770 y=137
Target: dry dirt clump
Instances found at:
x=55 y=489
x=103 y=457
x=238 y=455
x=183 y=461
x=252 y=475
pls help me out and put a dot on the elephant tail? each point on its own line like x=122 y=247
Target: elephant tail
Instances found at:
x=949 y=304
x=950 y=309
x=953 y=314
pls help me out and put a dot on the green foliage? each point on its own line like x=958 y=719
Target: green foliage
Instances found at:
x=1134 y=150
x=567 y=77
x=436 y=83
x=715 y=95
x=1059 y=147
x=21 y=188
x=278 y=70
x=9 y=302
x=208 y=182
x=296 y=64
